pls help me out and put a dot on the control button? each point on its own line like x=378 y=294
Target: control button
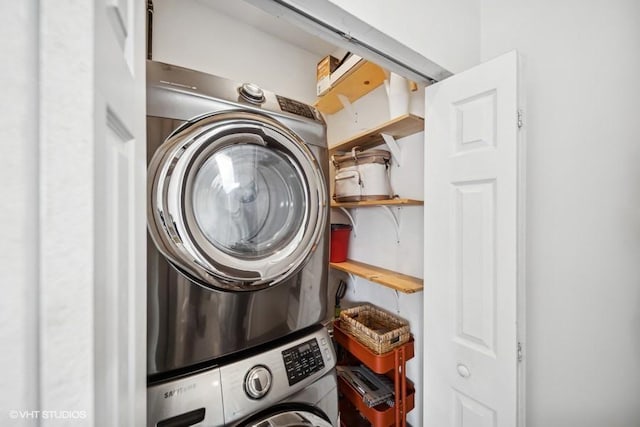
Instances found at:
x=252 y=93
x=323 y=341
x=257 y=382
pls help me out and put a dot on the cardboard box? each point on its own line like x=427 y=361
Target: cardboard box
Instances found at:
x=347 y=65
x=325 y=67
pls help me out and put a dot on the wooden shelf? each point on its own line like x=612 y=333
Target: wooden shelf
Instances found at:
x=367 y=203
x=394 y=280
x=361 y=79
x=378 y=363
x=401 y=126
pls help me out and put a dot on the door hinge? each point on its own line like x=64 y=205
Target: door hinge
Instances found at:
x=520 y=118
x=519 y=352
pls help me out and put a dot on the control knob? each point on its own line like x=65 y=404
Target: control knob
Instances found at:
x=251 y=93
x=257 y=382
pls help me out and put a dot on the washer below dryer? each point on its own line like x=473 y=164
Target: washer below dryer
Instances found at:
x=287 y=383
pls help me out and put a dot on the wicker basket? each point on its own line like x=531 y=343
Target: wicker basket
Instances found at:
x=378 y=330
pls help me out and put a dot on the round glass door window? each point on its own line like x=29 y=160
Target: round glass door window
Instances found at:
x=249 y=200
x=237 y=201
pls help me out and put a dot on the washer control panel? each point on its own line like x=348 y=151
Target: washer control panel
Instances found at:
x=275 y=373
x=302 y=361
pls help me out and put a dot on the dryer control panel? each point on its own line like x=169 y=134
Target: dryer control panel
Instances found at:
x=302 y=361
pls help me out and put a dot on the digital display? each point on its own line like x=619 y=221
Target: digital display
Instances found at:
x=303 y=348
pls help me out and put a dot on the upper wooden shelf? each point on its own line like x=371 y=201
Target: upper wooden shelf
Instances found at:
x=391 y=279
x=361 y=79
x=399 y=127
x=387 y=202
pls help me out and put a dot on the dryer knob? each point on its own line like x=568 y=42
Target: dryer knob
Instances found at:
x=257 y=382
x=252 y=93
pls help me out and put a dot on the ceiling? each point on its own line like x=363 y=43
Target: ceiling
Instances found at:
x=277 y=27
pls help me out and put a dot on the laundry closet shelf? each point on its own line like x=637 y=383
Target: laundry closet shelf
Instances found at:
x=389 y=278
x=399 y=127
x=368 y=203
x=361 y=79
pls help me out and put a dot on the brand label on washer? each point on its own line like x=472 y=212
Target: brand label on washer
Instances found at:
x=178 y=391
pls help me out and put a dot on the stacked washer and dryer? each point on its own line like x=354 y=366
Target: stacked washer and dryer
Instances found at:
x=237 y=256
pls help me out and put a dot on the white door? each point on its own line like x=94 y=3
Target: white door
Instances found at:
x=472 y=241
x=120 y=213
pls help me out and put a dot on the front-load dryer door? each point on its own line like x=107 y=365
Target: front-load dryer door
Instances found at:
x=236 y=201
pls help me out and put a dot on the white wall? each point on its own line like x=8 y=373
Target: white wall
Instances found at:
x=46 y=258
x=19 y=213
x=192 y=35
x=582 y=67
x=444 y=31
x=375 y=242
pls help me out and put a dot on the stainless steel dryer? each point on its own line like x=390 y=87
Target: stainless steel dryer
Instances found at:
x=237 y=217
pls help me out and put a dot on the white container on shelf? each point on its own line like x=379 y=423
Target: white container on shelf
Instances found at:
x=362 y=175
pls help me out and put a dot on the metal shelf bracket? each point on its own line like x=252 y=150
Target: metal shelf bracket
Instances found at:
x=348 y=107
x=352 y=220
x=394 y=219
x=393 y=147
x=353 y=278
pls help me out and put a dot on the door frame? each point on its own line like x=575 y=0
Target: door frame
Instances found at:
x=60 y=205
x=522 y=242
x=53 y=310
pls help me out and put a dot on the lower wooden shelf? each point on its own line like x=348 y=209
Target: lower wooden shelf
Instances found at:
x=382 y=276
x=385 y=202
x=382 y=415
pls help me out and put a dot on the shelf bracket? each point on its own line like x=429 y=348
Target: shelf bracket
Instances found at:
x=393 y=147
x=353 y=279
x=351 y=219
x=394 y=219
x=348 y=107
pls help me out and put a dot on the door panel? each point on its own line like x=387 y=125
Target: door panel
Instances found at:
x=473 y=253
x=120 y=220
x=471 y=247
x=469 y=412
